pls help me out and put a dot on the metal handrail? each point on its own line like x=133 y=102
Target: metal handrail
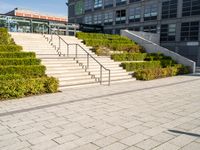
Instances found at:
x=76 y=54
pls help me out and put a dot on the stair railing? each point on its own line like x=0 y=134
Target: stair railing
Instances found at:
x=89 y=57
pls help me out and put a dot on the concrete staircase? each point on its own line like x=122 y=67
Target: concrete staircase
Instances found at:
x=70 y=71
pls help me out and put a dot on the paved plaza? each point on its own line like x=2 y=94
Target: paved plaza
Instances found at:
x=162 y=114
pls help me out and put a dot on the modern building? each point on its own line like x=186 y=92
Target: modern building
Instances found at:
x=22 y=20
x=177 y=22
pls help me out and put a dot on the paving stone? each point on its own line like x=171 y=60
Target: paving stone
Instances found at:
x=105 y=141
x=192 y=146
x=87 y=147
x=122 y=134
x=66 y=138
x=167 y=146
x=148 y=144
x=115 y=146
x=134 y=139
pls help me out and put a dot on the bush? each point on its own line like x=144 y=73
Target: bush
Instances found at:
x=129 y=57
x=17 y=55
x=134 y=66
x=10 y=76
x=19 y=61
x=5 y=37
x=25 y=71
x=157 y=56
x=17 y=88
x=10 y=48
x=155 y=73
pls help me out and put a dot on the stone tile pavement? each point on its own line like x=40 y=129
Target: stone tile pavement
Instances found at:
x=161 y=115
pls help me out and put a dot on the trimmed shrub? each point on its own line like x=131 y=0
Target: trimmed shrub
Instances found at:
x=5 y=38
x=10 y=48
x=19 y=61
x=134 y=66
x=17 y=88
x=129 y=57
x=167 y=63
x=156 y=73
x=10 y=76
x=156 y=56
x=25 y=71
x=17 y=55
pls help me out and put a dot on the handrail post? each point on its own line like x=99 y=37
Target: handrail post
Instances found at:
x=68 y=50
x=59 y=43
x=76 y=50
x=100 y=74
x=88 y=61
x=109 y=79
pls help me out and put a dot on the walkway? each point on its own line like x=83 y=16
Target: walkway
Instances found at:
x=160 y=115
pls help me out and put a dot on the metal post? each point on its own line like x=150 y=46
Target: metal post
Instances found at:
x=76 y=50
x=59 y=43
x=101 y=74
x=109 y=79
x=68 y=50
x=88 y=61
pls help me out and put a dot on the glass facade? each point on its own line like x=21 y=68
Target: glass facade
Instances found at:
x=20 y=24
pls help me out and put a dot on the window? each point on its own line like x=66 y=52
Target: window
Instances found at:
x=88 y=19
x=190 y=31
x=79 y=7
x=168 y=32
x=134 y=14
x=98 y=4
x=152 y=29
x=133 y=1
x=120 y=2
x=169 y=9
x=120 y=16
x=191 y=7
x=151 y=12
x=88 y=5
x=108 y=3
x=108 y=18
x=97 y=19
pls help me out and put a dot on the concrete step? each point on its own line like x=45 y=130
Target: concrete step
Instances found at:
x=76 y=82
x=198 y=69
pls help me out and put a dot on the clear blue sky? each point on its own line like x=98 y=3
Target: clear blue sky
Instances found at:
x=56 y=7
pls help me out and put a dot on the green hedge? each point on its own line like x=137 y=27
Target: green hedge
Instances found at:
x=129 y=57
x=156 y=56
x=34 y=70
x=5 y=38
x=17 y=88
x=134 y=66
x=17 y=55
x=10 y=48
x=19 y=61
x=156 y=73
x=10 y=76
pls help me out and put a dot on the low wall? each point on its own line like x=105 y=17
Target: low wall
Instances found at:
x=151 y=47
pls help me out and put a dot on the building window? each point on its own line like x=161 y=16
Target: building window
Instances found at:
x=108 y=18
x=152 y=29
x=120 y=16
x=98 y=4
x=190 y=31
x=168 y=32
x=97 y=19
x=133 y=1
x=120 y=2
x=169 y=9
x=88 y=19
x=191 y=7
x=88 y=5
x=108 y=3
x=79 y=7
x=134 y=14
x=151 y=12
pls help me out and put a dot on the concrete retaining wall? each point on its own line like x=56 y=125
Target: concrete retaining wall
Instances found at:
x=152 y=47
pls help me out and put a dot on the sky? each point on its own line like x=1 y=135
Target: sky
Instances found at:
x=53 y=7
